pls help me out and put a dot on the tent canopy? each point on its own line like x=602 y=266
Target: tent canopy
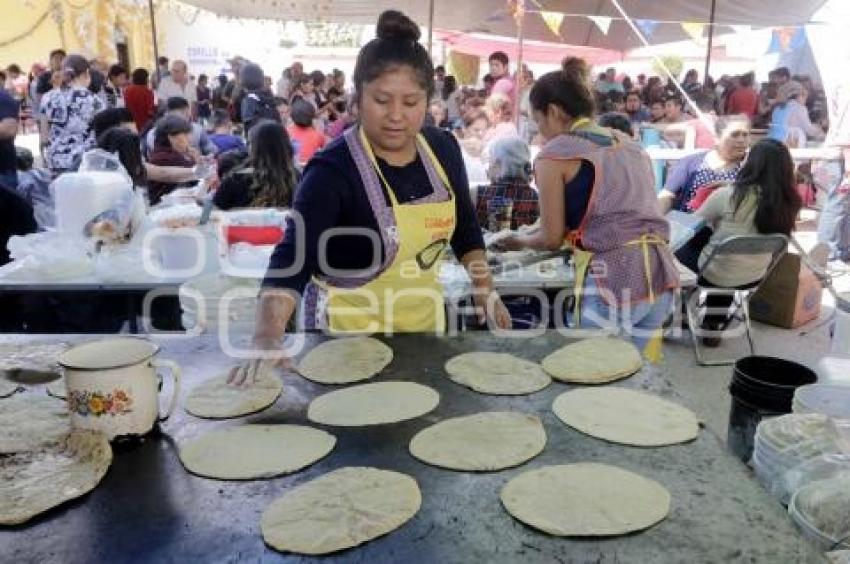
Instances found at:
x=533 y=51
x=491 y=16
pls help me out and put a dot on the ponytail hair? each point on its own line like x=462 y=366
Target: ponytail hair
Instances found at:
x=73 y=67
x=568 y=89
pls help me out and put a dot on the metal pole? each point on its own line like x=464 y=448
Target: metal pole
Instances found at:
x=710 y=40
x=155 y=44
x=431 y=28
x=520 y=24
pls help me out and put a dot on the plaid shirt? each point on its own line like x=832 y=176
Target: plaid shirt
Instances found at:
x=525 y=205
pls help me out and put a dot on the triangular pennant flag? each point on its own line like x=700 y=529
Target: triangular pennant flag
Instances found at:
x=553 y=21
x=694 y=30
x=647 y=27
x=602 y=22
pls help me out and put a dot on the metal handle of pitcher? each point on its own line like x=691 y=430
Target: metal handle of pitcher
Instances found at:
x=176 y=374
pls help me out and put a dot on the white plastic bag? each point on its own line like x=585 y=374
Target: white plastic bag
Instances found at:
x=119 y=222
x=48 y=256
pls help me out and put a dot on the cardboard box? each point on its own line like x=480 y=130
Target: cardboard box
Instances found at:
x=790 y=297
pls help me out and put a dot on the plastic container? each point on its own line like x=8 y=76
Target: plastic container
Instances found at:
x=80 y=196
x=785 y=443
x=761 y=387
x=832 y=400
x=841 y=335
x=180 y=250
x=822 y=511
x=834 y=370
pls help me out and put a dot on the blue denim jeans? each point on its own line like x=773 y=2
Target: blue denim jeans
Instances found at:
x=834 y=224
x=9 y=179
x=638 y=322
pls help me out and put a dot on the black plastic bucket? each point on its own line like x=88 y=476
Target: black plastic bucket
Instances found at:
x=762 y=386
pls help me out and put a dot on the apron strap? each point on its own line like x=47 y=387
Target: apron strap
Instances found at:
x=383 y=211
x=652 y=352
x=436 y=173
x=645 y=241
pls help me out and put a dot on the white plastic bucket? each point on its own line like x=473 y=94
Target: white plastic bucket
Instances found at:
x=841 y=336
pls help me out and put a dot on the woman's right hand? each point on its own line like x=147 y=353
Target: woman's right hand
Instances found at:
x=249 y=371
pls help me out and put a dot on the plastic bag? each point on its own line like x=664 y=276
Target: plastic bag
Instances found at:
x=260 y=217
x=103 y=161
x=47 y=256
x=186 y=215
x=818 y=468
x=120 y=221
x=783 y=443
x=822 y=510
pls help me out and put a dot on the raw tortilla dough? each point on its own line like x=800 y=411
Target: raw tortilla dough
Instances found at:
x=34 y=482
x=585 y=499
x=497 y=373
x=31 y=421
x=594 y=361
x=342 y=361
x=481 y=443
x=339 y=510
x=250 y=452
x=7 y=388
x=626 y=416
x=215 y=399
x=373 y=404
x=42 y=358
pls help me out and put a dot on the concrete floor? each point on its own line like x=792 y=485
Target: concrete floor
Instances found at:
x=706 y=389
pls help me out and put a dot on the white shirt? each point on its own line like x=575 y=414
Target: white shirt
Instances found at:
x=169 y=89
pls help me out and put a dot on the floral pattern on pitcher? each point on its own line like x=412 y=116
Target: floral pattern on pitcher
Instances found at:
x=87 y=403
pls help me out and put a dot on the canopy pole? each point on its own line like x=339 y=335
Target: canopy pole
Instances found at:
x=431 y=29
x=520 y=25
x=702 y=117
x=710 y=40
x=155 y=44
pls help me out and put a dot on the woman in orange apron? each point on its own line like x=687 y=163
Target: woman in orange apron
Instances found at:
x=376 y=210
x=597 y=195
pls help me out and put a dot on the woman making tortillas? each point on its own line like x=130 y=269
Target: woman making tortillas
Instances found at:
x=597 y=195
x=378 y=207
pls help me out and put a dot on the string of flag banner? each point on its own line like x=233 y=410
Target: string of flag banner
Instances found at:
x=695 y=30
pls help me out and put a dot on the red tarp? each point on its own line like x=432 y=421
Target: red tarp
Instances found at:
x=533 y=51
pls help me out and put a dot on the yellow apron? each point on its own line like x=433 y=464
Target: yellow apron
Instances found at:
x=406 y=297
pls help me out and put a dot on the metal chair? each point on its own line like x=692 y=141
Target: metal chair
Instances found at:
x=774 y=245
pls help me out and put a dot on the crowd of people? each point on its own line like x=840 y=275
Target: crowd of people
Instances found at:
x=201 y=121
x=258 y=143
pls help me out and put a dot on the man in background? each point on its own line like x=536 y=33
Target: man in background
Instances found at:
x=500 y=72
x=609 y=83
x=45 y=81
x=116 y=81
x=179 y=85
x=834 y=178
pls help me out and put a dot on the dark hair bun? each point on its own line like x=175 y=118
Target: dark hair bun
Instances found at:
x=575 y=69
x=395 y=26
